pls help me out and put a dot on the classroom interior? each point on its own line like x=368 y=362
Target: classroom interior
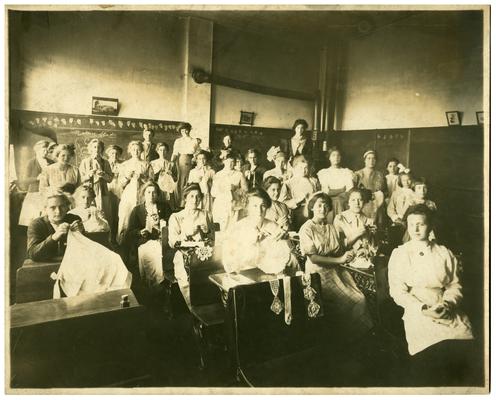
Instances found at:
x=380 y=80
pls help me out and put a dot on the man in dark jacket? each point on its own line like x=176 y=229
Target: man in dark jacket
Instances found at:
x=47 y=235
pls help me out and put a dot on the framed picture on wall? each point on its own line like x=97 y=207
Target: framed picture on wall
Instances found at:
x=104 y=106
x=480 y=117
x=453 y=118
x=247 y=118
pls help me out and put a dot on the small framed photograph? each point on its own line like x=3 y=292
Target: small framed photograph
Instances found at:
x=104 y=106
x=480 y=117
x=453 y=118
x=247 y=118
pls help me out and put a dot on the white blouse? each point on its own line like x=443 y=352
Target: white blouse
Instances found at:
x=427 y=273
x=335 y=178
x=185 y=145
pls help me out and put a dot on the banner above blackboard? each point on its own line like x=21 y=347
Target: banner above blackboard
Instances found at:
x=43 y=120
x=30 y=126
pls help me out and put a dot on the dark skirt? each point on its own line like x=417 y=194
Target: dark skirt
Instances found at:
x=184 y=165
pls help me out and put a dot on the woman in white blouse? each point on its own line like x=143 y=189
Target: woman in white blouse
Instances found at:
x=190 y=224
x=228 y=188
x=182 y=153
x=165 y=174
x=336 y=181
x=203 y=174
x=424 y=280
x=133 y=173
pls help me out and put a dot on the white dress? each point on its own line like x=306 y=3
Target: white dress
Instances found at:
x=204 y=177
x=250 y=247
x=333 y=179
x=129 y=198
x=227 y=191
x=401 y=199
x=427 y=273
x=162 y=169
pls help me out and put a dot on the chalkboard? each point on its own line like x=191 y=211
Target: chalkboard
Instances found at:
x=386 y=142
x=246 y=137
x=80 y=129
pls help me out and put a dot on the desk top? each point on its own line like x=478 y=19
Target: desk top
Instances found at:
x=225 y=281
x=39 y=312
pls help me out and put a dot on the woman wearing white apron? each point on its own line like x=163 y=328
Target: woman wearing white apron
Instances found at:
x=32 y=206
x=132 y=174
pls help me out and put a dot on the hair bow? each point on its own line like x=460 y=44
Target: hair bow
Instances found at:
x=402 y=169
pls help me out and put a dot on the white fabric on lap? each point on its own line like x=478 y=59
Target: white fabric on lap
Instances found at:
x=88 y=267
x=150 y=262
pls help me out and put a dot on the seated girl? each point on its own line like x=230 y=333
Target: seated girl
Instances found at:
x=353 y=225
x=256 y=242
x=424 y=280
x=47 y=235
x=298 y=189
x=192 y=224
x=145 y=222
x=278 y=211
x=92 y=218
x=401 y=199
x=420 y=197
x=344 y=304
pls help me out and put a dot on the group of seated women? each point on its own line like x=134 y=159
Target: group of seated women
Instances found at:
x=257 y=216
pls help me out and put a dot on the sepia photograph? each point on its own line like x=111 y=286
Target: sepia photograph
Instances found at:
x=105 y=106
x=262 y=199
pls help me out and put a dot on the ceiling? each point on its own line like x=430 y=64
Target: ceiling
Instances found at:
x=320 y=26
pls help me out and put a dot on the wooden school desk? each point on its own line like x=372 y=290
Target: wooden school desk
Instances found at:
x=80 y=341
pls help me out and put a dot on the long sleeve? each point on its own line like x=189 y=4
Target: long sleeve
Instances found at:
x=84 y=170
x=40 y=244
x=44 y=181
x=134 y=236
x=149 y=175
x=174 y=231
x=453 y=289
x=108 y=175
x=391 y=208
x=398 y=289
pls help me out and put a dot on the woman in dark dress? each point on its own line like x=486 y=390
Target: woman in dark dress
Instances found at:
x=145 y=222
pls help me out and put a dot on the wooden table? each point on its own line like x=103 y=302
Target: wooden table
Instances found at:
x=33 y=281
x=47 y=311
x=80 y=341
x=225 y=281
